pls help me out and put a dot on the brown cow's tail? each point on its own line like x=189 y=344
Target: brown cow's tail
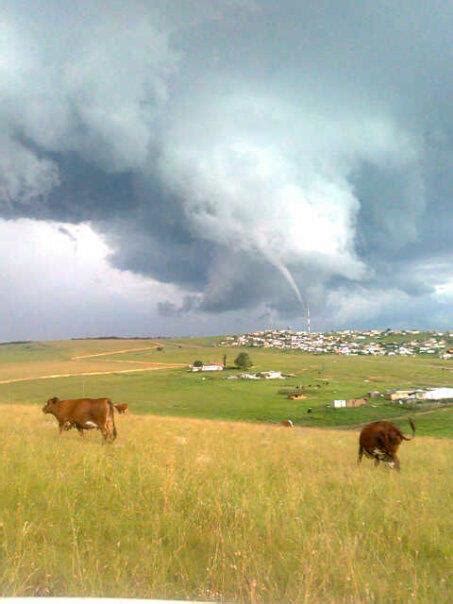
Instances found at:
x=112 y=415
x=412 y=424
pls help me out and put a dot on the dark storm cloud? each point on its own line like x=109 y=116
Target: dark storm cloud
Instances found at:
x=243 y=151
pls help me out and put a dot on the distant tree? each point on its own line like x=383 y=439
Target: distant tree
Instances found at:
x=224 y=360
x=160 y=348
x=243 y=361
x=197 y=363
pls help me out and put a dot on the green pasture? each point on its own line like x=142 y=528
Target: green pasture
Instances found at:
x=178 y=392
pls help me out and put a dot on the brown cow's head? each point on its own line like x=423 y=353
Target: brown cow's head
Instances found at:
x=50 y=405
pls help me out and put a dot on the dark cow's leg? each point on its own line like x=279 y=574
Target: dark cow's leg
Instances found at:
x=80 y=431
x=376 y=461
x=396 y=463
x=359 y=458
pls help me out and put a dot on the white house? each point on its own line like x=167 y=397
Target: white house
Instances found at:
x=271 y=375
x=438 y=393
x=338 y=403
x=249 y=376
x=208 y=368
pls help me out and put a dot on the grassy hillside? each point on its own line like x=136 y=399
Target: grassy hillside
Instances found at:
x=175 y=392
x=220 y=511
x=32 y=359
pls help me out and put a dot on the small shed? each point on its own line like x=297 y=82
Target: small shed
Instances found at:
x=338 y=403
x=271 y=375
x=400 y=394
x=356 y=402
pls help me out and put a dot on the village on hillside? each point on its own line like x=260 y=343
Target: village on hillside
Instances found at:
x=349 y=342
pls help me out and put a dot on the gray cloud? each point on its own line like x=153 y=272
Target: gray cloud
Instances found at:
x=241 y=151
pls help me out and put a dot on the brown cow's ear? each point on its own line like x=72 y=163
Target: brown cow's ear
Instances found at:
x=55 y=399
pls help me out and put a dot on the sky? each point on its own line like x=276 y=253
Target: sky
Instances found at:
x=195 y=168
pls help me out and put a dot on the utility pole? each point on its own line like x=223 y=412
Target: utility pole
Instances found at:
x=308 y=319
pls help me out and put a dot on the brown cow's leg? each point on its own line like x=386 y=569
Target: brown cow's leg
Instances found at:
x=396 y=461
x=108 y=427
x=61 y=427
x=80 y=431
x=105 y=432
x=111 y=422
x=110 y=434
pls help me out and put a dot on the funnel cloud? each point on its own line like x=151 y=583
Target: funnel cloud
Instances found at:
x=240 y=159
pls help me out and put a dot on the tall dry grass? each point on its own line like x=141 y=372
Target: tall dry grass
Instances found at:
x=218 y=511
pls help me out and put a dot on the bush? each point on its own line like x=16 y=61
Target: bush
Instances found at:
x=243 y=361
x=197 y=364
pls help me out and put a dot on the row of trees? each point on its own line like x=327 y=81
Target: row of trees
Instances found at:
x=242 y=361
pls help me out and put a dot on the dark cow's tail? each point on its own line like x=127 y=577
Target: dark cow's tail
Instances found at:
x=112 y=417
x=412 y=424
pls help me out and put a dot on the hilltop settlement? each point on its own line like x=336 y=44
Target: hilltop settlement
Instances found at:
x=405 y=343
x=350 y=342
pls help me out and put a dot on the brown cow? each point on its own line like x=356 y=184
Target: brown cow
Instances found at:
x=380 y=441
x=120 y=407
x=84 y=414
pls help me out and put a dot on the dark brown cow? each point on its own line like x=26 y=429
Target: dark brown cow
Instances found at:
x=287 y=422
x=121 y=407
x=84 y=414
x=380 y=441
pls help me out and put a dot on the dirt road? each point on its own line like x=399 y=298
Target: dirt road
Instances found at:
x=105 y=354
x=155 y=367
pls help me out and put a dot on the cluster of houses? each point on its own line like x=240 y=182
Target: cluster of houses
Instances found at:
x=261 y=375
x=422 y=394
x=408 y=395
x=350 y=342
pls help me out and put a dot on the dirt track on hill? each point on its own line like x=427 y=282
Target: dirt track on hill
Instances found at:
x=89 y=373
x=149 y=366
x=104 y=354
